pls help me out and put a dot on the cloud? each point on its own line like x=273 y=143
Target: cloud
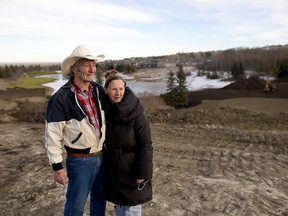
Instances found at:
x=245 y=20
x=126 y=28
x=40 y=18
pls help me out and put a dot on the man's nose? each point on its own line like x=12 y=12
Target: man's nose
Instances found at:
x=92 y=67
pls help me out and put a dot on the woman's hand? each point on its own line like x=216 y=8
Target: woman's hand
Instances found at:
x=139 y=181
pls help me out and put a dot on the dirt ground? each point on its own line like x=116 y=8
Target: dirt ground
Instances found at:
x=226 y=156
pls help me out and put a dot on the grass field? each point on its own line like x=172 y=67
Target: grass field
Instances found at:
x=28 y=80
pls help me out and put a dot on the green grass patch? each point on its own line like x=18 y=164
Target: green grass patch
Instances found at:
x=30 y=80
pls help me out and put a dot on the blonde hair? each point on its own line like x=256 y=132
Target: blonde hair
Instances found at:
x=112 y=75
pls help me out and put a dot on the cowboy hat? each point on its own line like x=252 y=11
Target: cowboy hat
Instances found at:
x=80 y=52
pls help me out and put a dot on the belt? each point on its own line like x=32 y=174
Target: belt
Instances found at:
x=96 y=154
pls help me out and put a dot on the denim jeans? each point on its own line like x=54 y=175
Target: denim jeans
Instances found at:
x=121 y=210
x=86 y=176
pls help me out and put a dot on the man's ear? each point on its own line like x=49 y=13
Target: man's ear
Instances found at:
x=72 y=69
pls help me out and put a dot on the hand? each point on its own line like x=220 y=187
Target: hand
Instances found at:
x=60 y=177
x=139 y=181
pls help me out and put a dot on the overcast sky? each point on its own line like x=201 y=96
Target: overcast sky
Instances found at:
x=49 y=30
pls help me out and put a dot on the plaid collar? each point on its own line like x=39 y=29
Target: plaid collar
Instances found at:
x=79 y=90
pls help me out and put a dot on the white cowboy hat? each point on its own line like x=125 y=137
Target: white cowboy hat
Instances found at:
x=80 y=52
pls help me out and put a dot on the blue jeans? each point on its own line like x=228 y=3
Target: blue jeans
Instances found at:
x=121 y=210
x=86 y=176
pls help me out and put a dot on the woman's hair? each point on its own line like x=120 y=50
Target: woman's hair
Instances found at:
x=112 y=75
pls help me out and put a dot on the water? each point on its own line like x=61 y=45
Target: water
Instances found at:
x=60 y=81
x=148 y=87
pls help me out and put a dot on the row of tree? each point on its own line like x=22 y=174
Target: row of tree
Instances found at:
x=266 y=60
x=15 y=71
x=281 y=69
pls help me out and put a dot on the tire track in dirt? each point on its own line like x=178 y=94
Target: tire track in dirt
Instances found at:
x=205 y=170
x=199 y=169
x=27 y=184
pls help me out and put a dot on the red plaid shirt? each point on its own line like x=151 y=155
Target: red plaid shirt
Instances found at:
x=87 y=100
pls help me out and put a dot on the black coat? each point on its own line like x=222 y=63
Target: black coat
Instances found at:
x=128 y=152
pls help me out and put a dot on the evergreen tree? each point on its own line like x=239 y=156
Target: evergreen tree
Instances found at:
x=6 y=71
x=108 y=65
x=241 y=69
x=176 y=95
x=2 y=74
x=181 y=98
x=169 y=96
x=237 y=70
x=283 y=69
x=170 y=82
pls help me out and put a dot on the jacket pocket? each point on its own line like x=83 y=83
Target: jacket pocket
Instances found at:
x=126 y=164
x=77 y=138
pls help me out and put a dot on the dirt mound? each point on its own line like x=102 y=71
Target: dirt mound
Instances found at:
x=29 y=105
x=225 y=116
x=243 y=88
x=31 y=109
x=247 y=84
x=222 y=159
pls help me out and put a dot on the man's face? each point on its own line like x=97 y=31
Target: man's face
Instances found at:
x=85 y=70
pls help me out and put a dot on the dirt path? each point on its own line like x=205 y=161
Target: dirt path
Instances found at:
x=198 y=170
x=262 y=105
x=222 y=158
x=214 y=170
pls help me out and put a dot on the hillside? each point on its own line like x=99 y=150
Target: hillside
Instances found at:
x=226 y=156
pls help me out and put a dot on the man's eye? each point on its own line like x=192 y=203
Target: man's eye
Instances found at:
x=88 y=65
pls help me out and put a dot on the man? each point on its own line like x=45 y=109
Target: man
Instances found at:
x=75 y=120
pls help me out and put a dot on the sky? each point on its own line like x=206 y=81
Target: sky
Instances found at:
x=49 y=30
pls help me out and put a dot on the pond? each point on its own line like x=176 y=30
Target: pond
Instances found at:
x=155 y=87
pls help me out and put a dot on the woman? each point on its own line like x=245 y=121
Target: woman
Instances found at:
x=128 y=149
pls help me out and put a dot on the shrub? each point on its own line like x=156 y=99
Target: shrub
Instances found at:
x=283 y=69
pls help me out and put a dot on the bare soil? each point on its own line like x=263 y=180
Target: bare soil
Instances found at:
x=225 y=156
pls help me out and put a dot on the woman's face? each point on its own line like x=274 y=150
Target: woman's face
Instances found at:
x=115 y=90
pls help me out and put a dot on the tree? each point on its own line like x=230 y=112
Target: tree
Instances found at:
x=176 y=95
x=181 y=94
x=169 y=96
x=2 y=74
x=237 y=70
x=283 y=69
x=108 y=65
x=171 y=82
x=99 y=78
